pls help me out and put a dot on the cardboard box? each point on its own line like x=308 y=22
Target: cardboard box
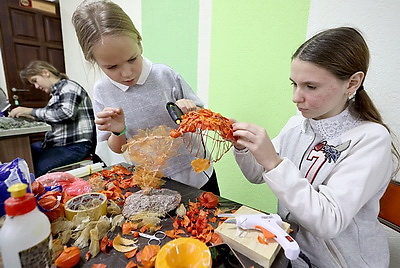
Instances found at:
x=246 y=241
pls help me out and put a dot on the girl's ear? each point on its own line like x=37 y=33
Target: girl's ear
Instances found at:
x=45 y=73
x=355 y=82
x=141 y=47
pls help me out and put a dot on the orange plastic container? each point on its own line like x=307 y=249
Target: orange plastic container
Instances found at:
x=184 y=252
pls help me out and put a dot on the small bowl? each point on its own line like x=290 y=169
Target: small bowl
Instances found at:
x=91 y=204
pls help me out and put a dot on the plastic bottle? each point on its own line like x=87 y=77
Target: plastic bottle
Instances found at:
x=25 y=238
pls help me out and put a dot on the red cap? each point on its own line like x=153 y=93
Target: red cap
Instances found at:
x=16 y=206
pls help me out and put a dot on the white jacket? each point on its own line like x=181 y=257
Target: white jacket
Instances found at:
x=331 y=189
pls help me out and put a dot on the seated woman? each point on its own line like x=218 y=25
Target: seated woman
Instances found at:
x=69 y=112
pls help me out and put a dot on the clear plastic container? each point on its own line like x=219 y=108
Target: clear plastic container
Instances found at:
x=25 y=238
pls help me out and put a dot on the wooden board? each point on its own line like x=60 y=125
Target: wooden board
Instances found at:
x=246 y=242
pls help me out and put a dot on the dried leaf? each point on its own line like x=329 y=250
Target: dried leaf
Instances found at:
x=104 y=244
x=99 y=265
x=181 y=210
x=261 y=240
x=127 y=228
x=94 y=247
x=68 y=258
x=124 y=245
x=200 y=164
x=131 y=254
x=131 y=264
x=267 y=234
x=148 y=255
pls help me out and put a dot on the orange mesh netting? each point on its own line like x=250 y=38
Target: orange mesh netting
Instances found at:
x=150 y=150
x=211 y=131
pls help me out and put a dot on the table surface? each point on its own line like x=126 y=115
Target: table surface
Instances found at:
x=28 y=128
x=188 y=193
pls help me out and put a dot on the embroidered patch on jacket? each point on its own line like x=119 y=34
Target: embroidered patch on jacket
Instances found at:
x=321 y=153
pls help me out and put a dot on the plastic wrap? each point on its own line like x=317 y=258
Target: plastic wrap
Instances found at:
x=10 y=173
x=70 y=184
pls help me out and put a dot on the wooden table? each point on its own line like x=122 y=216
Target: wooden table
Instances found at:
x=188 y=193
x=15 y=143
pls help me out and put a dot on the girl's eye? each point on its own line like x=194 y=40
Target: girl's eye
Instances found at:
x=293 y=84
x=311 y=87
x=111 y=67
x=132 y=59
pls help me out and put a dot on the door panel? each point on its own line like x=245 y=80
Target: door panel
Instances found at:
x=52 y=31
x=27 y=31
x=28 y=34
x=54 y=56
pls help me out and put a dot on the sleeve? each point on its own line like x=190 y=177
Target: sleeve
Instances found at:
x=184 y=91
x=354 y=181
x=250 y=168
x=248 y=165
x=98 y=106
x=61 y=107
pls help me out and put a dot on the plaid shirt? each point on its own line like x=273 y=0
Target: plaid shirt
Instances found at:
x=70 y=114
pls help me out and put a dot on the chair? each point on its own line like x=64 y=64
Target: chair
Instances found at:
x=389 y=213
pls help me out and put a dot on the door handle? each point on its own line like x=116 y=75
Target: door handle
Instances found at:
x=19 y=89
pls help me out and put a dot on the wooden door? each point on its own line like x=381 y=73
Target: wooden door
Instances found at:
x=28 y=34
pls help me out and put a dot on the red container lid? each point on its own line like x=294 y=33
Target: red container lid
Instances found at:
x=20 y=202
x=16 y=206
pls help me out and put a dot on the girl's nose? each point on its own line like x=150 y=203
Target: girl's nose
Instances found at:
x=297 y=97
x=126 y=71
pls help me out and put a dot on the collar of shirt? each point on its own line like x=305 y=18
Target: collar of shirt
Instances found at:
x=146 y=68
x=57 y=86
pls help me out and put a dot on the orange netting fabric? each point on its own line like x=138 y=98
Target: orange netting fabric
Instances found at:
x=207 y=135
x=150 y=151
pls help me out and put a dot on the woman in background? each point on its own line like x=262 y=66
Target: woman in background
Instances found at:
x=330 y=166
x=69 y=112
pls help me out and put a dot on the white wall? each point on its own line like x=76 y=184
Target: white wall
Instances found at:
x=379 y=21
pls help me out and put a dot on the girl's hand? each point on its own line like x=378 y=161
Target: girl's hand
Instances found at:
x=21 y=112
x=186 y=105
x=111 y=119
x=235 y=144
x=256 y=139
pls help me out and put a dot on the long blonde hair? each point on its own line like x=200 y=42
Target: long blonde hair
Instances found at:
x=94 y=19
x=37 y=67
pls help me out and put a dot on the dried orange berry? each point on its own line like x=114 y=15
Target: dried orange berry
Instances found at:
x=68 y=258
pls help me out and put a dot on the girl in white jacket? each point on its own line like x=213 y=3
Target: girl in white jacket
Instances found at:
x=330 y=166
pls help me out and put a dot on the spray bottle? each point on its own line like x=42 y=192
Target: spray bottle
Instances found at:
x=25 y=238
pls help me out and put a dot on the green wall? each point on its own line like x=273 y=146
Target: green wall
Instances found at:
x=249 y=77
x=170 y=33
x=251 y=45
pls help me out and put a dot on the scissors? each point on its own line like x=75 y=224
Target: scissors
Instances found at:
x=175 y=112
x=154 y=239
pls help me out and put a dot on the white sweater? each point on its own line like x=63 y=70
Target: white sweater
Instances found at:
x=331 y=179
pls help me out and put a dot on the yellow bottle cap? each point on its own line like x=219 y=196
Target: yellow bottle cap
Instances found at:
x=18 y=189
